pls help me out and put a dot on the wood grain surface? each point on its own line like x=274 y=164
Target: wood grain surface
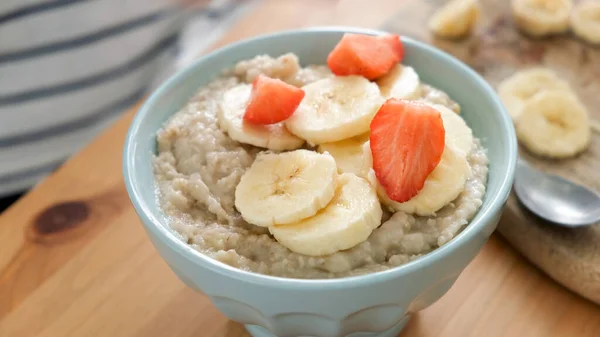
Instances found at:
x=497 y=50
x=74 y=260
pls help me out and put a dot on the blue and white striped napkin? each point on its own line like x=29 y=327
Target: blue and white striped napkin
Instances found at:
x=69 y=68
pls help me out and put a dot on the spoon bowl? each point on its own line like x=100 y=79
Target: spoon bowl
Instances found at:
x=556 y=199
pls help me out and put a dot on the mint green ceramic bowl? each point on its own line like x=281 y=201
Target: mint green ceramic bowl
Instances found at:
x=377 y=304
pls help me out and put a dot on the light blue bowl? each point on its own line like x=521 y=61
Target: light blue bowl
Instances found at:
x=377 y=304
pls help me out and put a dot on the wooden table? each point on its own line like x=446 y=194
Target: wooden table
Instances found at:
x=74 y=260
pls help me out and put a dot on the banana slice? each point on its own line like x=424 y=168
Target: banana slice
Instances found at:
x=515 y=90
x=347 y=221
x=585 y=21
x=347 y=153
x=334 y=109
x=443 y=185
x=286 y=187
x=401 y=82
x=542 y=17
x=459 y=135
x=456 y=19
x=554 y=124
x=231 y=120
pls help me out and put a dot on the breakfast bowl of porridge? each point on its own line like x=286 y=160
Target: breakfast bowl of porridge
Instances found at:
x=321 y=182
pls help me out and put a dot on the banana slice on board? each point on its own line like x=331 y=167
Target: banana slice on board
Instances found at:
x=347 y=153
x=542 y=17
x=515 y=90
x=231 y=120
x=347 y=221
x=334 y=109
x=585 y=21
x=286 y=187
x=554 y=124
x=401 y=82
x=456 y=19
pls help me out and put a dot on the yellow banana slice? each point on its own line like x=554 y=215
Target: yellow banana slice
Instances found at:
x=456 y=19
x=286 y=187
x=515 y=90
x=334 y=109
x=554 y=124
x=401 y=82
x=542 y=17
x=231 y=120
x=585 y=21
x=345 y=222
x=347 y=153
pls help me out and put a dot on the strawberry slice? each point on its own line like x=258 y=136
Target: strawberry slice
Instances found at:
x=272 y=101
x=407 y=141
x=365 y=55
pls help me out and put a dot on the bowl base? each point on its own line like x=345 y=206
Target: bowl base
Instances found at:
x=259 y=331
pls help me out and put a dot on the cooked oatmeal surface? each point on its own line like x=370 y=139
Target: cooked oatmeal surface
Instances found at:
x=198 y=167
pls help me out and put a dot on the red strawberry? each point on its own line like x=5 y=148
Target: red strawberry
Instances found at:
x=365 y=55
x=407 y=141
x=272 y=101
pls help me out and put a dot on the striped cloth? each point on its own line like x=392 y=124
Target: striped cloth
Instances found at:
x=69 y=68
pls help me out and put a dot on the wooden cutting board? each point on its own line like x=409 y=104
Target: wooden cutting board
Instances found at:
x=496 y=50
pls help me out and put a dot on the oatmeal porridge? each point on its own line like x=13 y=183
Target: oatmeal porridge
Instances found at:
x=312 y=189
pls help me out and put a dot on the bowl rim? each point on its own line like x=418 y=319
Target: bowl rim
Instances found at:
x=171 y=239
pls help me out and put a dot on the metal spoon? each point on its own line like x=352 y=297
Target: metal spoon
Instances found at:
x=554 y=198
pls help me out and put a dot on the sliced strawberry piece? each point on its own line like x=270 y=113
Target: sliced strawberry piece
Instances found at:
x=407 y=141
x=272 y=101
x=365 y=55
